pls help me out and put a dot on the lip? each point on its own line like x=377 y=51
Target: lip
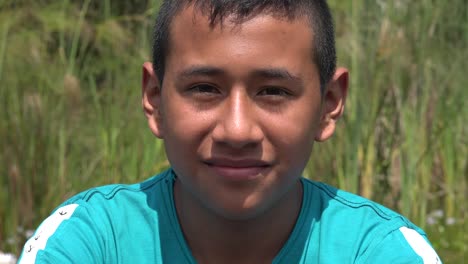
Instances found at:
x=237 y=169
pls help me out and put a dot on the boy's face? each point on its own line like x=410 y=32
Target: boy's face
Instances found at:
x=239 y=110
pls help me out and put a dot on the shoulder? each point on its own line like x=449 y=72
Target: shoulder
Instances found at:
x=336 y=202
x=81 y=226
x=405 y=245
x=119 y=192
x=56 y=238
x=366 y=228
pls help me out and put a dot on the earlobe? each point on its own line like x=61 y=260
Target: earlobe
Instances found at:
x=333 y=104
x=326 y=130
x=151 y=99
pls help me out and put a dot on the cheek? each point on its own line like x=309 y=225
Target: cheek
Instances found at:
x=298 y=125
x=184 y=127
x=293 y=135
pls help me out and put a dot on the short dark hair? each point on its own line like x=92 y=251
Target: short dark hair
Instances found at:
x=317 y=12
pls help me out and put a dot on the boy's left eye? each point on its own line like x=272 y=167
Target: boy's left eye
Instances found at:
x=274 y=91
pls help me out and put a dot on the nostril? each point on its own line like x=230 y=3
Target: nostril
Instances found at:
x=244 y=136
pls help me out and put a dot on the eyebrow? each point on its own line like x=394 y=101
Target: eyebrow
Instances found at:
x=200 y=70
x=265 y=73
x=275 y=73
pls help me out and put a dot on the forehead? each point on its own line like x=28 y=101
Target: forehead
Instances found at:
x=191 y=32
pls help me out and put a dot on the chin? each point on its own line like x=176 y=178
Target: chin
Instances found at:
x=240 y=212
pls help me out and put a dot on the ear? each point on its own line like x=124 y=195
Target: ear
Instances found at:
x=151 y=99
x=333 y=104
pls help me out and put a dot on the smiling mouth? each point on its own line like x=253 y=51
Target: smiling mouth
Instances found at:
x=237 y=170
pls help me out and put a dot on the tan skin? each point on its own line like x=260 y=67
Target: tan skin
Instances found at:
x=239 y=110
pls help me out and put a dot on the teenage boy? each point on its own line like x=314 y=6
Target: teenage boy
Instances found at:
x=238 y=91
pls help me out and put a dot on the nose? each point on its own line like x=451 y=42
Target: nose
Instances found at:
x=238 y=125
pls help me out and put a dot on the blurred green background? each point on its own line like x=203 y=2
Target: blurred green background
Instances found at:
x=70 y=115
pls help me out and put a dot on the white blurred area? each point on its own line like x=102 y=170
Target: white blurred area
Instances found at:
x=7 y=258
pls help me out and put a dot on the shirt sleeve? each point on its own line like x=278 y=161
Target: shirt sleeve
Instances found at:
x=69 y=235
x=402 y=246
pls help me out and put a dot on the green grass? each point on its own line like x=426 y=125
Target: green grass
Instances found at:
x=71 y=118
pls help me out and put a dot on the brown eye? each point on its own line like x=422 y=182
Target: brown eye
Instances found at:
x=274 y=91
x=204 y=88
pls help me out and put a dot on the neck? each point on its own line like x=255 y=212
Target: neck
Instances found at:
x=215 y=239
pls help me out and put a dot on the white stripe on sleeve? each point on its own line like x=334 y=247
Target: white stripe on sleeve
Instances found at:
x=39 y=240
x=420 y=246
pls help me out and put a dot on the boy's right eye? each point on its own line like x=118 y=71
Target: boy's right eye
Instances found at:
x=204 y=89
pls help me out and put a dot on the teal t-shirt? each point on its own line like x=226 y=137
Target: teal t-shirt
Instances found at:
x=138 y=224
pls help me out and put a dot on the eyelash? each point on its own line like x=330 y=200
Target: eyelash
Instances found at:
x=277 y=91
x=202 y=88
x=205 y=89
